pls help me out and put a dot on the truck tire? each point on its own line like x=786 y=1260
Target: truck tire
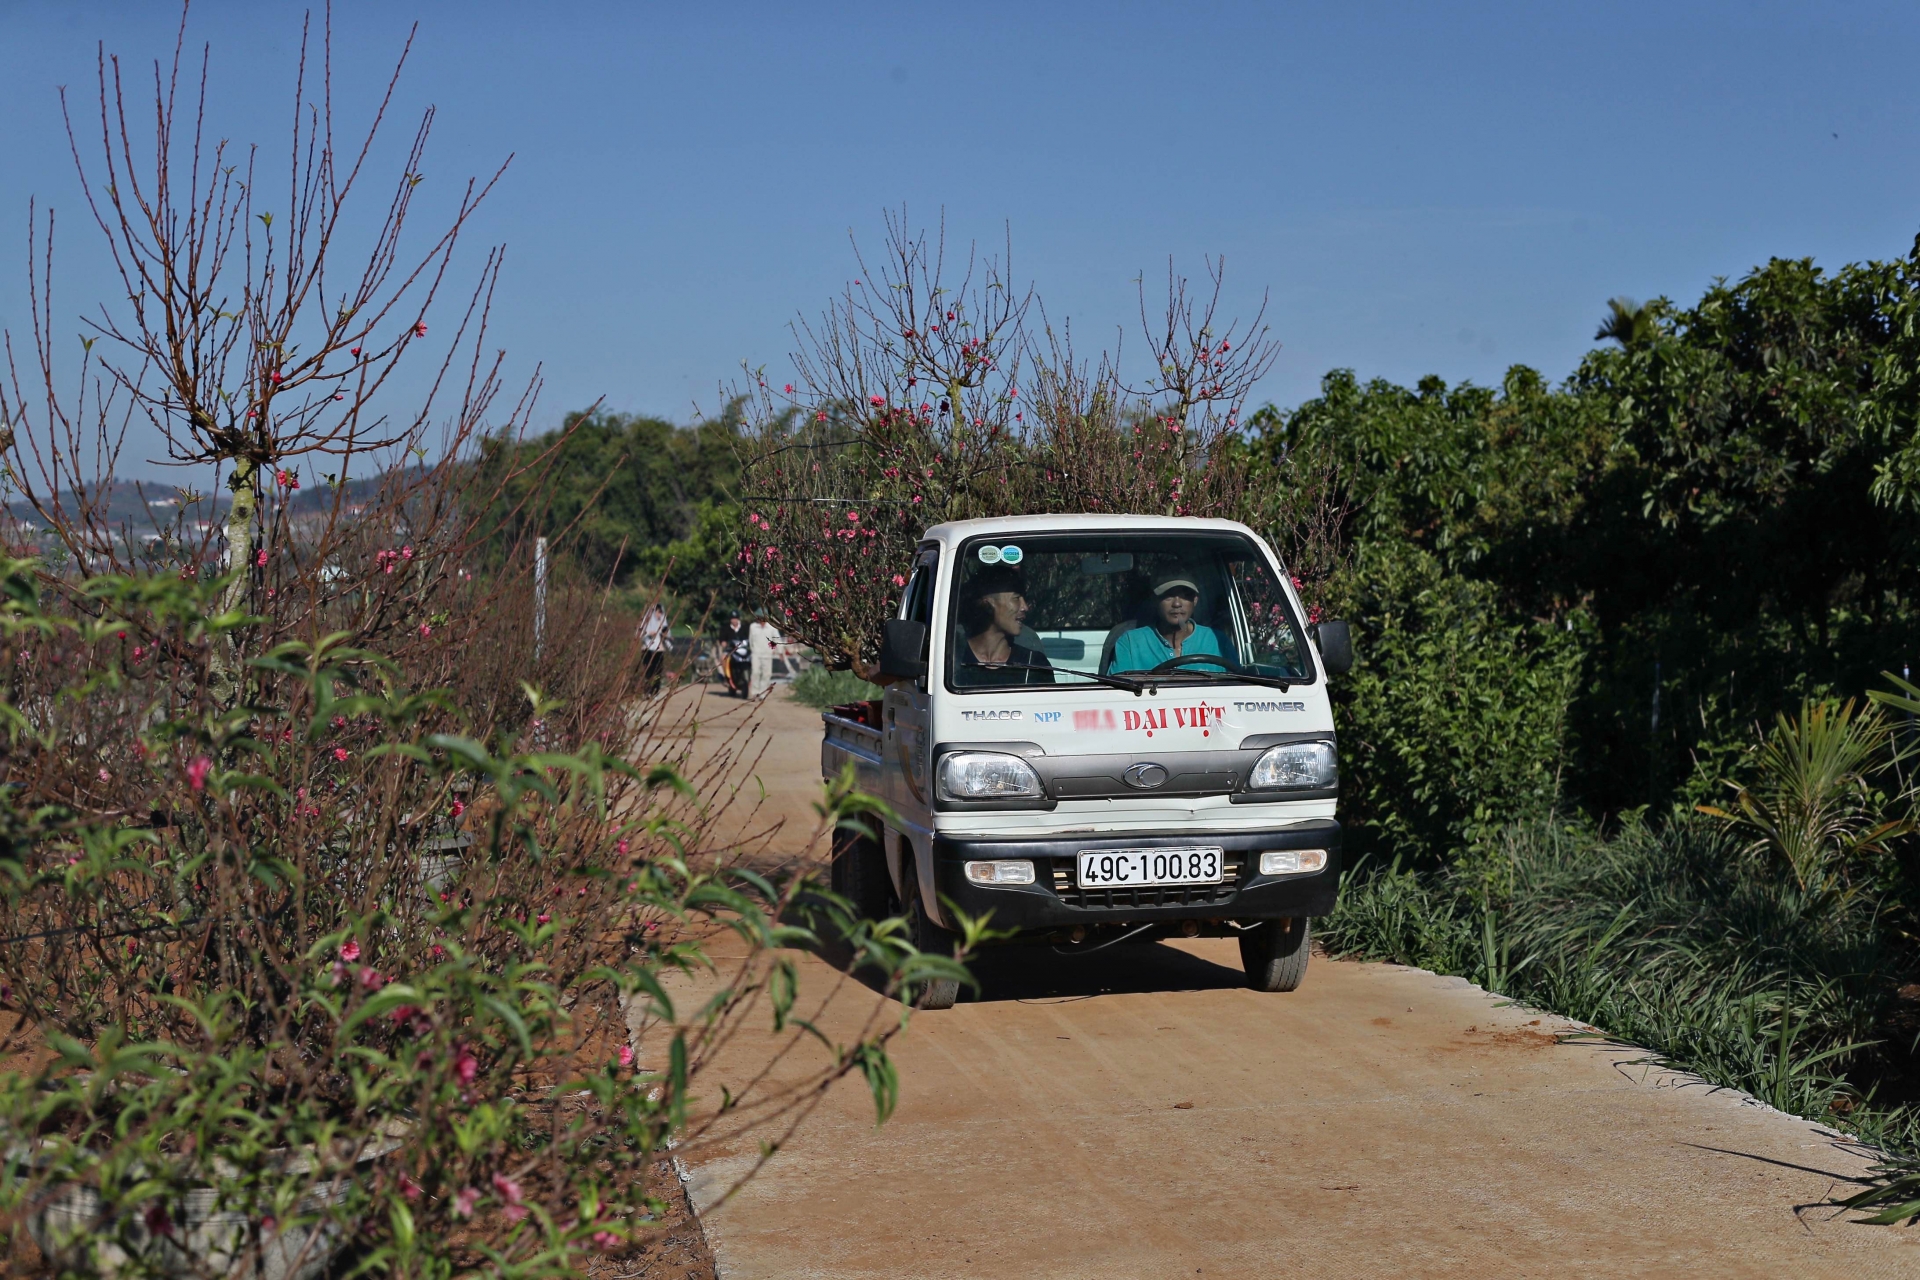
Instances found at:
x=858 y=873
x=1275 y=954
x=929 y=937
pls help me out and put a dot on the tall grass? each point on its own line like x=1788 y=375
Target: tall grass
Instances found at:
x=1667 y=936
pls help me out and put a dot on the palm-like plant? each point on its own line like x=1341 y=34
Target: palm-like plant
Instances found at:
x=1629 y=323
x=1815 y=808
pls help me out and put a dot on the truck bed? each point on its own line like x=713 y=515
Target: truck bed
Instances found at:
x=852 y=736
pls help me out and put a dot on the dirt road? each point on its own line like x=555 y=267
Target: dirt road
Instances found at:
x=1141 y=1113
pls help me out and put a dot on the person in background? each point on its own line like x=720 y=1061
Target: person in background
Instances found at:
x=656 y=639
x=762 y=637
x=735 y=653
x=1173 y=633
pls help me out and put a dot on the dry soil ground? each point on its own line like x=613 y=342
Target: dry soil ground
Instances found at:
x=1141 y=1113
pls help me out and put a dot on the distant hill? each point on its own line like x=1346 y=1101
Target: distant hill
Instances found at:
x=145 y=505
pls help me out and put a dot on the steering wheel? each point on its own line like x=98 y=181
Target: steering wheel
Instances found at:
x=1185 y=659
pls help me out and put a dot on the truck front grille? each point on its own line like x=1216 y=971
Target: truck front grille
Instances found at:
x=1165 y=895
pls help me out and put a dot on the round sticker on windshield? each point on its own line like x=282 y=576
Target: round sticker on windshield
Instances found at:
x=989 y=555
x=1011 y=555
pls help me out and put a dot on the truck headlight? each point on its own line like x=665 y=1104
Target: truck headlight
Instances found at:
x=1292 y=862
x=987 y=775
x=1004 y=871
x=1296 y=766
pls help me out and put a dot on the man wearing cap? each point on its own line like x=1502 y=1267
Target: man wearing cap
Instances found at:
x=1174 y=633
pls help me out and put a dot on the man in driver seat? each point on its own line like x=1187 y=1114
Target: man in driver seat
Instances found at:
x=1172 y=634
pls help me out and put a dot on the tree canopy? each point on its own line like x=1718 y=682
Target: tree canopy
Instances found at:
x=1713 y=516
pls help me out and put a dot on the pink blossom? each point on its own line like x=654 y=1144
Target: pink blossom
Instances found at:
x=509 y=1189
x=463 y=1201
x=465 y=1065
x=105 y=776
x=406 y=552
x=899 y=581
x=354 y=352
x=544 y=917
x=349 y=951
x=621 y=846
x=426 y=629
x=420 y=329
x=139 y=651
x=372 y=979
x=626 y=1055
x=514 y=1212
x=876 y=400
x=197 y=770
x=789 y=388
x=340 y=754
x=606 y=1240
x=459 y=807
x=260 y=557
x=409 y=1188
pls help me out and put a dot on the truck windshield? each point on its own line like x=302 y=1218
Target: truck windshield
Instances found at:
x=1057 y=609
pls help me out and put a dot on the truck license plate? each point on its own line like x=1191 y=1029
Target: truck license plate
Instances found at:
x=1125 y=868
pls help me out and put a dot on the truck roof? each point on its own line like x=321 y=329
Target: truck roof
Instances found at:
x=959 y=530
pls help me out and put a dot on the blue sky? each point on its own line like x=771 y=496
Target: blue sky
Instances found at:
x=1421 y=188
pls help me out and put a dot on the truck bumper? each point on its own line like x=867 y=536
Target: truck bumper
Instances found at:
x=1056 y=901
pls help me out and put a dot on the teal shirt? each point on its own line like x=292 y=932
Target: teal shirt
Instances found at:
x=1143 y=649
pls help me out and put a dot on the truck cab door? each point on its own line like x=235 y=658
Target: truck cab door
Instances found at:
x=905 y=724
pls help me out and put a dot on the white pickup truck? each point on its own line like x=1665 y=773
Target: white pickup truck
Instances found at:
x=1099 y=728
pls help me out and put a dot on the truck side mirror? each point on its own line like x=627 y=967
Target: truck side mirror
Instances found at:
x=903 y=649
x=1335 y=641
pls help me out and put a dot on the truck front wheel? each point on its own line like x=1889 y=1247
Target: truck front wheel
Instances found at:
x=939 y=993
x=1275 y=953
x=859 y=874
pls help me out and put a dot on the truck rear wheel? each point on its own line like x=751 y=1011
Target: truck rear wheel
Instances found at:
x=1275 y=954
x=858 y=873
x=934 y=940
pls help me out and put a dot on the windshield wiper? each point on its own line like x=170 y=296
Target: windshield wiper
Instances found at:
x=1248 y=677
x=1133 y=686
x=1136 y=687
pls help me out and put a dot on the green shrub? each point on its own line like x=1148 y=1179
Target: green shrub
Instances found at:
x=819 y=687
x=1453 y=722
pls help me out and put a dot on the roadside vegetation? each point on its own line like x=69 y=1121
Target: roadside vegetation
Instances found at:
x=349 y=915
x=1628 y=738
